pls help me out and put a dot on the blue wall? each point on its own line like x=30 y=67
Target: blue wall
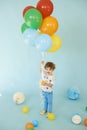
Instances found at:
x=19 y=66
x=19 y=63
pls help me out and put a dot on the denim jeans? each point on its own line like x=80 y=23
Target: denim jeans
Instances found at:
x=48 y=99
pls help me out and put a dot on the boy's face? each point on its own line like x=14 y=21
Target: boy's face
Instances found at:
x=49 y=70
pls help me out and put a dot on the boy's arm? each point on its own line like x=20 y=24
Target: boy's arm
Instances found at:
x=41 y=66
x=49 y=84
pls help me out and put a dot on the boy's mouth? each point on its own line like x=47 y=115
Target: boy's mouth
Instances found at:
x=48 y=72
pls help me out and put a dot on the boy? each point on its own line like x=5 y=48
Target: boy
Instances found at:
x=47 y=85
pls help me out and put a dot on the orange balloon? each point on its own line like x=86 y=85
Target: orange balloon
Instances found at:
x=85 y=121
x=29 y=125
x=49 y=25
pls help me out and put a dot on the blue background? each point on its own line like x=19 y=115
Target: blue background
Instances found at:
x=19 y=66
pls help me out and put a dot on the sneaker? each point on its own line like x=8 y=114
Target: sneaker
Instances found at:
x=43 y=112
x=47 y=114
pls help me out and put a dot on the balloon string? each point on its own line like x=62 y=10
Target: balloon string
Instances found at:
x=42 y=53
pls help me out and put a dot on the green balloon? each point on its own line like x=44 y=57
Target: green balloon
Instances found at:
x=24 y=27
x=86 y=108
x=33 y=18
x=31 y=129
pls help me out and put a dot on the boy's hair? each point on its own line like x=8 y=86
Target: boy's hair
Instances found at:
x=51 y=65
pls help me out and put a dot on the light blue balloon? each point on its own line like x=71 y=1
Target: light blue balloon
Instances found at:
x=35 y=123
x=29 y=36
x=43 y=42
x=73 y=93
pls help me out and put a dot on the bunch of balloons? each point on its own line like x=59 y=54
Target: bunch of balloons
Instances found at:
x=40 y=26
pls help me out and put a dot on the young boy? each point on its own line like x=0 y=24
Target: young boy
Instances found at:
x=47 y=83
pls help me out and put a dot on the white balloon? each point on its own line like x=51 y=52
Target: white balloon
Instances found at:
x=19 y=98
x=76 y=119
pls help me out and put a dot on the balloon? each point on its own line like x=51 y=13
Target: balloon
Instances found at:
x=51 y=116
x=33 y=18
x=35 y=123
x=19 y=98
x=29 y=36
x=30 y=129
x=24 y=27
x=43 y=42
x=56 y=44
x=45 y=7
x=85 y=121
x=86 y=108
x=49 y=25
x=73 y=93
x=25 y=109
x=26 y=9
x=76 y=119
x=29 y=125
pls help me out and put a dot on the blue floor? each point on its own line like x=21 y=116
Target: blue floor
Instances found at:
x=12 y=117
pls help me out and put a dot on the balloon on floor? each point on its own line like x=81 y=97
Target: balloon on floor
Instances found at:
x=73 y=93
x=19 y=97
x=76 y=119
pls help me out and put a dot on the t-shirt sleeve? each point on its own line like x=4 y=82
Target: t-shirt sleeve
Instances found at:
x=43 y=74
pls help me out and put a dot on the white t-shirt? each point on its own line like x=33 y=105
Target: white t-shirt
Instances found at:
x=49 y=79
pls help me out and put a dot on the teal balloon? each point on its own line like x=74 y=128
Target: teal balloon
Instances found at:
x=33 y=18
x=73 y=93
x=29 y=36
x=24 y=27
x=43 y=42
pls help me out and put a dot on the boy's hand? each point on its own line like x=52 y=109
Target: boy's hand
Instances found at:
x=44 y=83
x=42 y=62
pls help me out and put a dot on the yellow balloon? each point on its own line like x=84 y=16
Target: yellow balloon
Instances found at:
x=56 y=43
x=25 y=109
x=51 y=116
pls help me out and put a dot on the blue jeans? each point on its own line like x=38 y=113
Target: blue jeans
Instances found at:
x=48 y=100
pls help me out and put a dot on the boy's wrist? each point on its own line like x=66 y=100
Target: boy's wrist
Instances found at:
x=42 y=62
